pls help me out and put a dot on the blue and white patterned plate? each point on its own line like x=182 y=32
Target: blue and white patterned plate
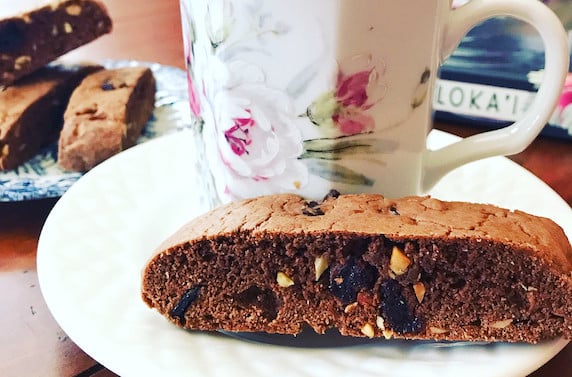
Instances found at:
x=41 y=177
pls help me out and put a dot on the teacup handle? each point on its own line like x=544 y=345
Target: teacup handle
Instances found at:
x=516 y=137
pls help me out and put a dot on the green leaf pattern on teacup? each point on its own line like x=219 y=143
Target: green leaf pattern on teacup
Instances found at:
x=322 y=111
x=344 y=147
x=218 y=22
x=338 y=173
x=321 y=154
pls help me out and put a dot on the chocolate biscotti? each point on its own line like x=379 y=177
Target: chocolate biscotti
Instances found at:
x=415 y=268
x=31 y=39
x=105 y=115
x=31 y=111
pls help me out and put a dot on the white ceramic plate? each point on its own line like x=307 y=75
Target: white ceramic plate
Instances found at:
x=102 y=231
x=41 y=177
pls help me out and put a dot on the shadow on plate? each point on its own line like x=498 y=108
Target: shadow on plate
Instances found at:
x=333 y=339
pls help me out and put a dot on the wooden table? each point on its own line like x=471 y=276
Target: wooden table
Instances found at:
x=31 y=342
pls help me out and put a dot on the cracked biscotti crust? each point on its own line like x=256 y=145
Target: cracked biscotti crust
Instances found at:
x=31 y=111
x=415 y=268
x=32 y=39
x=106 y=115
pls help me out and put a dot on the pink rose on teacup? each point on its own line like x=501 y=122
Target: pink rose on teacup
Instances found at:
x=258 y=141
x=344 y=111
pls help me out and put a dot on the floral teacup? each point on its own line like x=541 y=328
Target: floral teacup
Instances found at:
x=305 y=96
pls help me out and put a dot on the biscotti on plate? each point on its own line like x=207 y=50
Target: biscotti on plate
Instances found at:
x=45 y=30
x=105 y=115
x=414 y=268
x=31 y=110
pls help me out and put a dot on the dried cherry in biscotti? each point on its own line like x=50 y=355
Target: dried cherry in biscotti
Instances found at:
x=106 y=85
x=186 y=300
x=347 y=280
x=395 y=311
x=332 y=194
x=313 y=211
x=11 y=36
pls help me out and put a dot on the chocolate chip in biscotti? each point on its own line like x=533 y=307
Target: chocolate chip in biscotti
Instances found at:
x=395 y=310
x=347 y=280
x=186 y=300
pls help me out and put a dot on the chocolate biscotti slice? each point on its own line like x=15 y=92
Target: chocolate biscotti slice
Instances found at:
x=31 y=111
x=105 y=115
x=32 y=34
x=415 y=268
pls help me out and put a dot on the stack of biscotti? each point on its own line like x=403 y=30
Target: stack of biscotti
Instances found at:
x=34 y=90
x=107 y=111
x=414 y=268
x=31 y=110
x=44 y=31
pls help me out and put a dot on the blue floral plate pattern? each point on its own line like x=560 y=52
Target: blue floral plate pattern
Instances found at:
x=41 y=177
